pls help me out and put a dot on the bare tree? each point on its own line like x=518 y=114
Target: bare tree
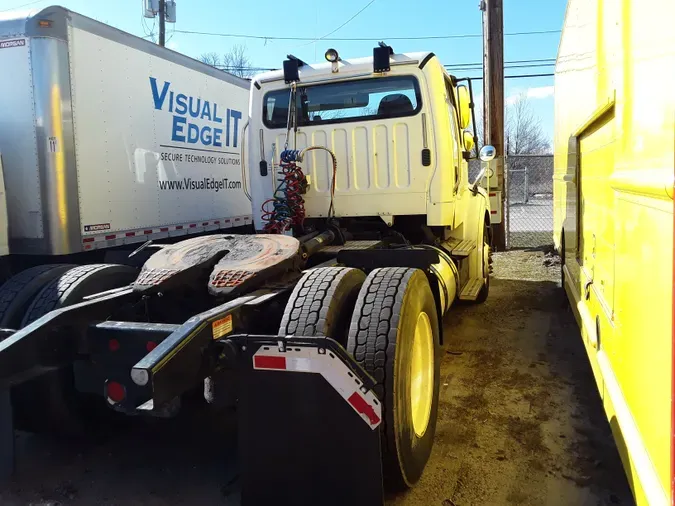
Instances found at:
x=524 y=134
x=235 y=61
x=212 y=59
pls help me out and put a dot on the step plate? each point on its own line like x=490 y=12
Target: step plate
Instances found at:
x=471 y=290
x=463 y=248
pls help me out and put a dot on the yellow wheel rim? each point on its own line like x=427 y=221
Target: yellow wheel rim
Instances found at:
x=422 y=374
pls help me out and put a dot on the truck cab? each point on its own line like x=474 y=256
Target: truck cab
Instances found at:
x=396 y=128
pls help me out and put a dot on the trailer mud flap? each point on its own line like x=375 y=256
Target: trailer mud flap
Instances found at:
x=309 y=425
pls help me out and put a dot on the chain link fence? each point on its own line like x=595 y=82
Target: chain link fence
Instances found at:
x=529 y=201
x=528 y=204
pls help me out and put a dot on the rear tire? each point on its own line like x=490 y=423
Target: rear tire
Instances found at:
x=75 y=285
x=322 y=302
x=50 y=403
x=394 y=335
x=15 y=296
x=18 y=292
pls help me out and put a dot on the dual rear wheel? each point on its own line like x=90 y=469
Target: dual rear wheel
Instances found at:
x=389 y=323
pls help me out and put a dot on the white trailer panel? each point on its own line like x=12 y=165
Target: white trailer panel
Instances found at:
x=151 y=176
x=130 y=141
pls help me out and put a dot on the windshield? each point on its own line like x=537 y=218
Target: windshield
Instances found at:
x=375 y=98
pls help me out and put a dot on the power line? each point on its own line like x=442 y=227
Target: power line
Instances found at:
x=261 y=69
x=480 y=67
x=463 y=66
x=454 y=67
x=359 y=39
x=346 y=22
x=20 y=6
x=236 y=69
x=512 y=61
x=149 y=32
x=522 y=76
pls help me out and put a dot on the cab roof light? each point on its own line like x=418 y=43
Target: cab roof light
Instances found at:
x=333 y=57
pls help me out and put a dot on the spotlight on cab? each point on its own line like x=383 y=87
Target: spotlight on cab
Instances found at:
x=333 y=57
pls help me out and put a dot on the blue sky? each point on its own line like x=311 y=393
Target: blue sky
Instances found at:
x=384 y=18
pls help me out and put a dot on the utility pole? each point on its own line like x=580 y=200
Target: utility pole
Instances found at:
x=493 y=102
x=162 y=22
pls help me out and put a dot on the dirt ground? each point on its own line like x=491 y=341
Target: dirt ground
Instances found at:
x=520 y=422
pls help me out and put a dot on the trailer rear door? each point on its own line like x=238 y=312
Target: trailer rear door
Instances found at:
x=18 y=143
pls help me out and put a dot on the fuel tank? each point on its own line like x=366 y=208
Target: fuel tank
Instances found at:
x=447 y=275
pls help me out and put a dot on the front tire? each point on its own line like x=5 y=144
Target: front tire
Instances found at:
x=394 y=334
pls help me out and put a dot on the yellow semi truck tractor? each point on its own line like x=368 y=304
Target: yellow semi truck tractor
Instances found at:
x=613 y=220
x=325 y=325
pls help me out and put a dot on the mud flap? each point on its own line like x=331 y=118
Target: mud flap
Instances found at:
x=309 y=425
x=6 y=437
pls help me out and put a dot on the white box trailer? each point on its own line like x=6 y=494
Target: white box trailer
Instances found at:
x=108 y=139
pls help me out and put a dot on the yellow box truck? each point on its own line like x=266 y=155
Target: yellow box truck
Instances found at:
x=613 y=220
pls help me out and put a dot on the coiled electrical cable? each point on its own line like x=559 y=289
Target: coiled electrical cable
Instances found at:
x=286 y=208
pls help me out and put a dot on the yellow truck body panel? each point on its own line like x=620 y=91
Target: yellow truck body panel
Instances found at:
x=613 y=218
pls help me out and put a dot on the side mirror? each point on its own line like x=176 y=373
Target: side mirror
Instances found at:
x=469 y=141
x=487 y=154
x=464 y=99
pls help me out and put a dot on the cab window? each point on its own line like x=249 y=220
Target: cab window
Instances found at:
x=365 y=99
x=454 y=131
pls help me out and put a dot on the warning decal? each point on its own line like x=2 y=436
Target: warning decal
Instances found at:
x=222 y=327
x=307 y=359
